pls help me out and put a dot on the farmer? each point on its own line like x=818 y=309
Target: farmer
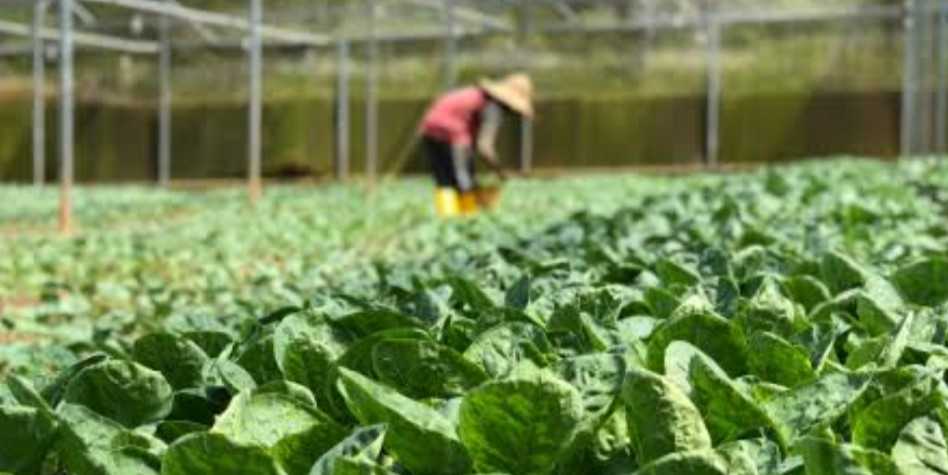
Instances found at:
x=465 y=122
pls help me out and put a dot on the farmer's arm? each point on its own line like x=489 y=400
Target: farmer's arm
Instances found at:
x=491 y=119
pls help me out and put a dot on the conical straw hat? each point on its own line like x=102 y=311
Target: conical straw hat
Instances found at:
x=514 y=91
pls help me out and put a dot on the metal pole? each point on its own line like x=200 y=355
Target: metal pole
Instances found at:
x=39 y=94
x=91 y=40
x=342 y=112
x=524 y=27
x=164 y=112
x=941 y=114
x=224 y=20
x=523 y=22
x=371 y=98
x=66 y=119
x=924 y=49
x=908 y=82
x=712 y=140
x=450 y=44
x=526 y=145
x=256 y=93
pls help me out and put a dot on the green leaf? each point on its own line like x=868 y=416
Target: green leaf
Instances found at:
x=816 y=405
x=53 y=393
x=678 y=358
x=423 y=369
x=420 y=437
x=94 y=445
x=661 y=301
x=864 y=352
x=923 y=282
x=661 y=418
x=178 y=359
x=196 y=406
x=358 y=356
x=371 y=321
x=213 y=342
x=364 y=443
x=225 y=373
x=294 y=434
x=522 y=424
x=727 y=410
x=823 y=457
x=875 y=319
x=208 y=332
x=693 y=462
x=921 y=448
x=672 y=272
x=885 y=351
x=763 y=453
x=214 y=454
x=841 y=272
x=279 y=314
x=170 y=431
x=306 y=350
x=588 y=332
x=773 y=359
x=26 y=434
x=711 y=333
x=892 y=352
x=470 y=294
x=359 y=466
x=807 y=290
x=598 y=377
x=518 y=296
x=294 y=391
x=770 y=311
x=258 y=357
x=501 y=348
x=27 y=395
x=888 y=382
x=611 y=444
x=819 y=340
x=878 y=425
x=123 y=391
x=883 y=292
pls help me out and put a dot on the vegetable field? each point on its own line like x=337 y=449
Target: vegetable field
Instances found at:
x=789 y=321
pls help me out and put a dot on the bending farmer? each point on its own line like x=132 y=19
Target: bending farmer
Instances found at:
x=460 y=122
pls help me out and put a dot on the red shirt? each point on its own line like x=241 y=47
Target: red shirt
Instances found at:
x=455 y=117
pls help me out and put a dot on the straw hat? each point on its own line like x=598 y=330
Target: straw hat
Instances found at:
x=514 y=91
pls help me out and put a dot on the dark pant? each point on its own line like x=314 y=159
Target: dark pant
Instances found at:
x=449 y=169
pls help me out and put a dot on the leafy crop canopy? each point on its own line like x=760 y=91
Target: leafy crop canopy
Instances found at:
x=787 y=322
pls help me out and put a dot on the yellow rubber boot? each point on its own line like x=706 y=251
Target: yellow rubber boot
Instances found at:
x=468 y=203
x=447 y=204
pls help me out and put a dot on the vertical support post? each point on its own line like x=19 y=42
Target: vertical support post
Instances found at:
x=712 y=139
x=523 y=22
x=66 y=119
x=39 y=94
x=908 y=82
x=342 y=111
x=924 y=50
x=524 y=27
x=256 y=98
x=526 y=145
x=450 y=44
x=164 y=102
x=371 y=98
x=941 y=113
